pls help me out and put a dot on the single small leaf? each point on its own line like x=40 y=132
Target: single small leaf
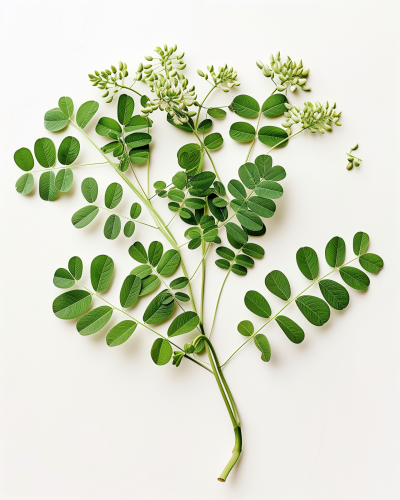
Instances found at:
x=307 y=261
x=179 y=283
x=238 y=269
x=137 y=139
x=195 y=203
x=202 y=180
x=108 y=127
x=138 y=252
x=139 y=155
x=161 y=352
x=335 y=251
x=68 y=151
x=237 y=189
x=257 y=304
x=64 y=180
x=269 y=189
x=137 y=122
x=176 y=195
x=219 y=202
x=159 y=185
x=101 y=273
x=249 y=220
x=223 y=264
x=93 y=321
x=216 y=113
x=184 y=323
x=242 y=132
x=113 y=195
x=90 y=189
x=355 y=278
x=169 y=263
x=205 y=125
x=236 y=233
x=182 y=297
x=158 y=311
x=225 y=253
x=47 y=186
x=278 y=284
x=155 y=252
x=136 y=210
x=245 y=106
x=24 y=184
x=259 y=232
x=66 y=105
x=253 y=250
x=63 y=279
x=84 y=216
x=149 y=284
x=249 y=175
x=45 y=152
x=120 y=333
x=335 y=294
x=262 y=344
x=112 y=227
x=274 y=106
x=273 y=136
x=130 y=291
x=24 y=159
x=264 y=164
x=371 y=262
x=125 y=109
x=72 y=304
x=213 y=141
x=189 y=156
x=246 y=328
x=291 y=329
x=315 y=310
x=55 y=120
x=276 y=173
x=75 y=267
x=261 y=206
x=86 y=112
x=129 y=228
x=360 y=243
x=142 y=271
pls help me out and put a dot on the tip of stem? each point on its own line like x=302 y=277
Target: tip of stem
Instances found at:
x=221 y=480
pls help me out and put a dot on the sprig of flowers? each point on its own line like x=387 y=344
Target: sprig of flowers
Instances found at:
x=353 y=161
x=314 y=117
x=292 y=75
x=108 y=79
x=225 y=79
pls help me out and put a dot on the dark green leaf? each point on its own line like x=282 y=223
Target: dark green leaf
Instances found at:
x=238 y=269
x=126 y=106
x=138 y=252
x=155 y=252
x=112 y=227
x=157 y=311
x=101 y=273
x=237 y=189
x=75 y=267
x=138 y=156
x=355 y=278
x=112 y=146
x=63 y=279
x=226 y=253
x=360 y=243
x=262 y=344
x=130 y=291
x=68 y=150
x=273 y=136
x=246 y=328
x=90 y=189
x=182 y=297
x=55 y=120
x=120 y=333
x=274 y=106
x=179 y=283
x=253 y=250
x=249 y=175
x=184 y=323
x=189 y=156
x=249 y=220
x=219 y=202
x=236 y=233
x=257 y=304
x=307 y=261
x=47 y=186
x=220 y=213
x=291 y=329
x=335 y=251
x=223 y=264
x=64 y=180
x=142 y=271
x=260 y=232
x=45 y=152
x=113 y=195
x=66 y=105
x=161 y=352
x=278 y=284
x=108 y=127
x=264 y=164
x=129 y=228
x=314 y=309
x=144 y=100
x=245 y=106
x=93 y=321
x=202 y=180
x=72 y=304
x=149 y=284
x=261 y=206
x=213 y=141
x=242 y=132
x=195 y=203
x=269 y=189
x=137 y=122
x=205 y=125
x=86 y=112
x=169 y=263
x=216 y=113
x=244 y=260
x=84 y=216
x=24 y=184
x=276 y=173
x=371 y=262
x=24 y=159
x=137 y=139
x=136 y=210
x=336 y=295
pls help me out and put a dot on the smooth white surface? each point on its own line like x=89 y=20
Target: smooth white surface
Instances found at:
x=320 y=421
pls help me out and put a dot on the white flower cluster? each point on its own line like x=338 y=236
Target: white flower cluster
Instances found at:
x=225 y=79
x=291 y=75
x=314 y=117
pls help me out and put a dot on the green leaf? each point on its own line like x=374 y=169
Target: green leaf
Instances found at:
x=112 y=227
x=66 y=105
x=253 y=250
x=155 y=252
x=24 y=184
x=269 y=189
x=169 y=263
x=75 y=267
x=205 y=125
x=261 y=206
x=182 y=297
x=307 y=261
x=142 y=271
x=90 y=189
x=186 y=127
x=276 y=173
x=93 y=321
x=219 y=202
x=220 y=213
x=264 y=164
x=244 y=260
x=130 y=291
x=249 y=220
x=72 y=304
x=136 y=210
x=64 y=180
x=245 y=106
x=335 y=251
x=108 y=127
x=216 y=113
x=272 y=136
x=55 y=120
x=138 y=252
x=86 y=112
x=336 y=295
x=101 y=273
x=45 y=152
x=195 y=203
x=202 y=180
x=291 y=329
x=237 y=233
x=157 y=311
x=176 y=195
x=137 y=139
x=274 y=106
x=242 y=132
x=161 y=352
x=179 y=283
x=129 y=228
x=63 y=279
x=68 y=151
x=213 y=141
x=371 y=262
x=278 y=284
x=149 y=284
x=257 y=304
x=144 y=100
x=260 y=232
x=47 y=186
x=355 y=278
x=120 y=333
x=225 y=253
x=360 y=243
x=84 y=216
x=223 y=264
x=24 y=159
x=137 y=122
x=184 y=323
x=249 y=175
x=238 y=269
x=262 y=344
x=246 y=328
x=126 y=106
x=113 y=195
x=237 y=189
x=315 y=310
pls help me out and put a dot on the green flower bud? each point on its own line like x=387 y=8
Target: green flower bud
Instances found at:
x=305 y=72
x=305 y=87
x=192 y=113
x=97 y=73
x=147 y=66
x=355 y=147
x=114 y=69
x=180 y=56
x=349 y=166
x=280 y=87
x=109 y=99
x=357 y=163
x=200 y=73
x=105 y=94
x=140 y=68
x=260 y=64
x=108 y=72
x=139 y=76
x=148 y=58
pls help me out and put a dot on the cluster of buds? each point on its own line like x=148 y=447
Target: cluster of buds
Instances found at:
x=353 y=161
x=314 y=117
x=167 y=64
x=291 y=74
x=108 y=79
x=225 y=79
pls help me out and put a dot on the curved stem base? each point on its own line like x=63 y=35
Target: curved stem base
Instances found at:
x=237 y=449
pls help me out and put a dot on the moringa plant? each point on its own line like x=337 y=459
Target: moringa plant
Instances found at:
x=201 y=199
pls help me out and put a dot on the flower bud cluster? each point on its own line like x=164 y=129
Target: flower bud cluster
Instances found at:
x=314 y=117
x=108 y=79
x=225 y=79
x=353 y=161
x=291 y=75
x=167 y=64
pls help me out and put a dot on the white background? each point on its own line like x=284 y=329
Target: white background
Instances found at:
x=320 y=421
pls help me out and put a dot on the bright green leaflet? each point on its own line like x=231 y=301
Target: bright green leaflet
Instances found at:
x=90 y=189
x=273 y=136
x=205 y=125
x=112 y=227
x=169 y=263
x=371 y=262
x=278 y=284
x=108 y=127
x=24 y=159
x=55 y=120
x=246 y=328
x=155 y=252
x=249 y=220
x=137 y=139
x=157 y=311
x=335 y=294
x=72 y=304
x=138 y=252
x=189 y=156
x=86 y=112
x=68 y=150
x=335 y=252
x=245 y=106
x=257 y=304
x=149 y=284
x=360 y=243
x=136 y=210
x=142 y=271
x=75 y=267
x=291 y=329
x=24 y=184
x=126 y=106
x=184 y=323
x=137 y=122
x=213 y=141
x=354 y=277
x=226 y=253
x=178 y=283
x=253 y=250
x=120 y=333
x=64 y=180
x=113 y=195
x=249 y=175
x=84 y=216
x=130 y=290
x=129 y=228
x=314 y=309
x=93 y=321
x=161 y=352
x=262 y=344
x=269 y=190
x=274 y=106
x=63 y=278
x=216 y=113
x=47 y=186
x=101 y=273
x=307 y=261
x=261 y=206
x=138 y=156
x=45 y=152
x=66 y=105
x=242 y=132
